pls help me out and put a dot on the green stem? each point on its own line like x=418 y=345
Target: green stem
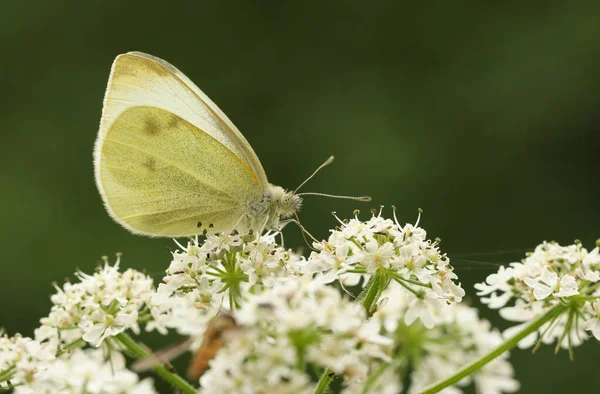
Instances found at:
x=408 y=288
x=324 y=382
x=356 y=271
x=373 y=378
x=370 y=294
x=398 y=278
x=9 y=388
x=7 y=373
x=509 y=344
x=587 y=298
x=77 y=343
x=591 y=289
x=160 y=369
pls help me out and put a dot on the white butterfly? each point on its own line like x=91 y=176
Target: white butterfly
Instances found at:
x=168 y=162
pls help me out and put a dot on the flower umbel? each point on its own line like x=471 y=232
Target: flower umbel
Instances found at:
x=87 y=371
x=292 y=327
x=32 y=367
x=97 y=307
x=378 y=251
x=21 y=358
x=429 y=355
x=225 y=267
x=551 y=276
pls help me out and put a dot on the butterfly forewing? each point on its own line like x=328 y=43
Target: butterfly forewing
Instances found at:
x=141 y=79
x=166 y=157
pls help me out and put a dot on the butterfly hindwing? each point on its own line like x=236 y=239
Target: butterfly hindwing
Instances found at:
x=161 y=175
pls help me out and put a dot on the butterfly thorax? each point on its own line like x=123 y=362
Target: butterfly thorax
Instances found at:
x=276 y=205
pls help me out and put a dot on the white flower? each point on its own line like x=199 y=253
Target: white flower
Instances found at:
x=551 y=276
x=248 y=367
x=425 y=309
x=383 y=251
x=22 y=358
x=376 y=255
x=294 y=322
x=97 y=307
x=224 y=267
x=460 y=339
x=593 y=323
x=498 y=282
x=86 y=371
x=567 y=287
x=101 y=325
x=457 y=338
x=182 y=312
x=548 y=284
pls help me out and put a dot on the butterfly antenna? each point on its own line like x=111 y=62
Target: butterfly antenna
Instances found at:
x=361 y=198
x=326 y=163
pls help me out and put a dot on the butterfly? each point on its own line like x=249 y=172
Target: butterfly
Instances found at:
x=169 y=163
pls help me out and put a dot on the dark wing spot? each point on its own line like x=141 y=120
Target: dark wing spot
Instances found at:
x=150 y=164
x=152 y=126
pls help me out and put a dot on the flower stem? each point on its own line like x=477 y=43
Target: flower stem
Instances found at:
x=324 y=382
x=7 y=373
x=373 y=378
x=77 y=343
x=160 y=369
x=9 y=388
x=509 y=344
x=371 y=293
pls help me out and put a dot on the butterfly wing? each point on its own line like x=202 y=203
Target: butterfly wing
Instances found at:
x=166 y=157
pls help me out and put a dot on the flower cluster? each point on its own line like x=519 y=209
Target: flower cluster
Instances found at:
x=434 y=354
x=217 y=274
x=401 y=328
x=32 y=367
x=97 y=307
x=381 y=250
x=93 y=310
x=87 y=371
x=228 y=264
x=553 y=276
x=21 y=358
x=294 y=326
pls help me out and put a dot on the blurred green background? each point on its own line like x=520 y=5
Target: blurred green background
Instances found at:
x=485 y=116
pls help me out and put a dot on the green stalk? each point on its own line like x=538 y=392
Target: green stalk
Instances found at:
x=160 y=369
x=371 y=293
x=509 y=344
x=7 y=373
x=373 y=378
x=324 y=382
x=75 y=344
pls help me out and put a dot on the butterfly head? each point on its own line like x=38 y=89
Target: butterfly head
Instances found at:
x=284 y=203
